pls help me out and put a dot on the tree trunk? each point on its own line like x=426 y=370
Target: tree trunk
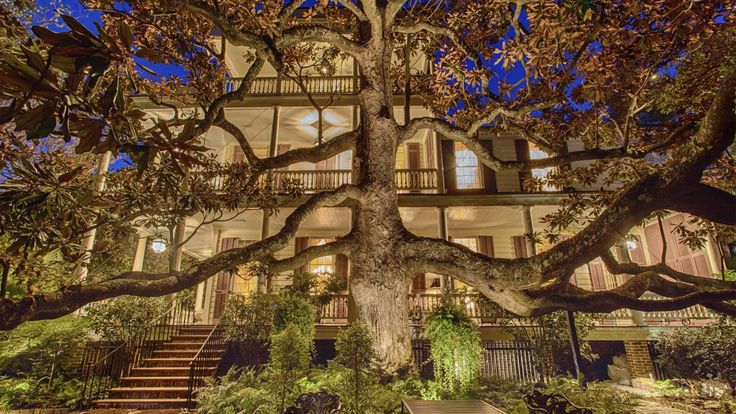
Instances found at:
x=379 y=281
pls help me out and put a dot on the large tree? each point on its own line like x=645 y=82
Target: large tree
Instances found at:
x=647 y=87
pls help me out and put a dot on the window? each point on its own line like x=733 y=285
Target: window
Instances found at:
x=467 y=168
x=469 y=242
x=324 y=264
x=535 y=153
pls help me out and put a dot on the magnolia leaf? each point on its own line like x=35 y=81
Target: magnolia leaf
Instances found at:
x=126 y=36
x=33 y=117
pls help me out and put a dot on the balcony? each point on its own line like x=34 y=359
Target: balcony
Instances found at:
x=336 y=313
x=422 y=180
x=315 y=85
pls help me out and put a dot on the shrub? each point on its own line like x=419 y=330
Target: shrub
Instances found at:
x=598 y=396
x=455 y=348
x=701 y=353
x=38 y=393
x=354 y=352
x=238 y=391
x=44 y=349
x=121 y=318
x=291 y=353
x=248 y=317
x=259 y=316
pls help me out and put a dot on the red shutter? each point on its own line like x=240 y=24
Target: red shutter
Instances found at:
x=429 y=150
x=301 y=243
x=636 y=254
x=412 y=162
x=238 y=155
x=597 y=276
x=520 y=247
x=282 y=148
x=489 y=176
x=485 y=245
x=224 y=279
x=449 y=166
x=419 y=283
x=522 y=154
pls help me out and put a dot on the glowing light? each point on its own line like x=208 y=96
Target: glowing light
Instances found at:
x=631 y=244
x=158 y=245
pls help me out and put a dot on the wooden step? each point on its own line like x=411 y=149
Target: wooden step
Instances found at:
x=152 y=381
x=142 y=403
x=185 y=345
x=189 y=338
x=162 y=371
x=177 y=362
x=148 y=392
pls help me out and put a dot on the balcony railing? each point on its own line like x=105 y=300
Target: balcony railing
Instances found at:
x=317 y=85
x=311 y=181
x=336 y=313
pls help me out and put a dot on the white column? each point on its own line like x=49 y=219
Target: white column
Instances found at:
x=526 y=214
x=140 y=253
x=210 y=283
x=265 y=232
x=274 y=131
x=178 y=245
x=442 y=233
x=88 y=242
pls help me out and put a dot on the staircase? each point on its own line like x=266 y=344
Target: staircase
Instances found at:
x=163 y=380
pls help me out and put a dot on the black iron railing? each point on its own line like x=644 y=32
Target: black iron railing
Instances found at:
x=104 y=364
x=204 y=364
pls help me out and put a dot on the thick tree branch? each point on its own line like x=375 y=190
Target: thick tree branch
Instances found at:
x=707 y=202
x=62 y=302
x=631 y=268
x=340 y=143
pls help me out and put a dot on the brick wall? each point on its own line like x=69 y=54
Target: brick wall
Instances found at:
x=640 y=363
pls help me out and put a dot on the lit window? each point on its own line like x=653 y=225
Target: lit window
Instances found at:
x=467 y=168
x=469 y=242
x=324 y=264
x=472 y=244
x=541 y=173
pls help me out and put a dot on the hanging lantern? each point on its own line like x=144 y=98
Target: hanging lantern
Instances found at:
x=158 y=245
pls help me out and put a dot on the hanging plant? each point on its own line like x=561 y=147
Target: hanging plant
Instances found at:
x=455 y=348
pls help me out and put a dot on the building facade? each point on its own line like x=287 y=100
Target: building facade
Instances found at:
x=445 y=192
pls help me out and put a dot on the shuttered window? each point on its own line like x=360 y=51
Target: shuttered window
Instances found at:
x=679 y=256
x=520 y=247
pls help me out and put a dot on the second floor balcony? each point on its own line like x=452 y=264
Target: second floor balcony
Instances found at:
x=422 y=180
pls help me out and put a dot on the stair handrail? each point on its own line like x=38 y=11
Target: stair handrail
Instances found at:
x=195 y=371
x=113 y=369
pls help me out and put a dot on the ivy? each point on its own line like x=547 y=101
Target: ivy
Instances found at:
x=455 y=348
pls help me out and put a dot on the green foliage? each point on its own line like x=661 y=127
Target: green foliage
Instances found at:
x=44 y=349
x=701 y=353
x=668 y=389
x=238 y=392
x=33 y=393
x=455 y=348
x=259 y=316
x=293 y=310
x=291 y=353
x=598 y=396
x=319 y=289
x=354 y=352
x=121 y=318
x=248 y=317
x=549 y=338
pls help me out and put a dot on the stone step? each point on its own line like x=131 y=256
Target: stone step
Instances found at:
x=142 y=403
